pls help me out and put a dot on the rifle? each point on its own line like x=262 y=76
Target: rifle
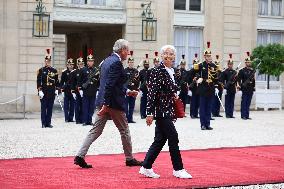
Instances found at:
x=248 y=80
x=232 y=79
x=91 y=78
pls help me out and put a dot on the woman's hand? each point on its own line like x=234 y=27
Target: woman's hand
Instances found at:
x=149 y=120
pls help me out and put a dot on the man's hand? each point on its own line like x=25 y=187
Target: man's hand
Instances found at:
x=134 y=93
x=189 y=93
x=225 y=91
x=81 y=93
x=62 y=93
x=149 y=120
x=40 y=94
x=56 y=92
x=74 y=96
x=103 y=110
x=216 y=91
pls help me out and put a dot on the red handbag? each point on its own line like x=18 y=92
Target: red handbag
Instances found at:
x=179 y=108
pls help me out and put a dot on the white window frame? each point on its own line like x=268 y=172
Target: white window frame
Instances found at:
x=269 y=10
x=187 y=3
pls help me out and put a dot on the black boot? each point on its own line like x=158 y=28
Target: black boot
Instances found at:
x=81 y=162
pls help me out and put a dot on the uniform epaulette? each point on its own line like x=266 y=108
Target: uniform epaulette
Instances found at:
x=64 y=70
x=73 y=70
x=196 y=66
x=241 y=68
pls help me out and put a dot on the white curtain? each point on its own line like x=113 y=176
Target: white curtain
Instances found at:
x=187 y=41
x=194 y=44
x=275 y=38
x=80 y=2
x=262 y=38
x=179 y=43
x=262 y=7
x=99 y=2
x=276 y=6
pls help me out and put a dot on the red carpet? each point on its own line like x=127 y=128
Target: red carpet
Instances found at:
x=209 y=168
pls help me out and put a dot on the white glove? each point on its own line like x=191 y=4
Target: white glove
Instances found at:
x=81 y=93
x=225 y=91
x=62 y=93
x=216 y=91
x=140 y=93
x=189 y=93
x=56 y=92
x=40 y=94
x=178 y=92
x=74 y=96
x=127 y=92
x=199 y=80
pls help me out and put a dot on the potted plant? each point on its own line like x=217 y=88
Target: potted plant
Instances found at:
x=271 y=59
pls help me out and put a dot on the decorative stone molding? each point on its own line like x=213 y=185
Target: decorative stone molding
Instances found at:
x=270 y=23
x=182 y=18
x=77 y=14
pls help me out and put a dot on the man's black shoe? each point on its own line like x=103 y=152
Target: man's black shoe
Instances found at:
x=131 y=121
x=212 y=118
x=81 y=162
x=203 y=128
x=244 y=118
x=49 y=126
x=133 y=162
x=219 y=115
x=249 y=118
x=209 y=128
x=143 y=117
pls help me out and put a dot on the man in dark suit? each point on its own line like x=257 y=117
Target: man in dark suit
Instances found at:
x=111 y=104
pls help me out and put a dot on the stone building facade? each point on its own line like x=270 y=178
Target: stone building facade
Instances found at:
x=231 y=26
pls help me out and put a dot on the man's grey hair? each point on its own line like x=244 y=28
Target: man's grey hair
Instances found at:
x=120 y=44
x=165 y=47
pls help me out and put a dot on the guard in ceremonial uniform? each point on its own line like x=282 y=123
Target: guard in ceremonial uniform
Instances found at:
x=192 y=77
x=246 y=83
x=143 y=77
x=48 y=86
x=215 y=110
x=229 y=77
x=181 y=75
x=65 y=85
x=132 y=88
x=74 y=81
x=156 y=60
x=88 y=86
x=207 y=86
